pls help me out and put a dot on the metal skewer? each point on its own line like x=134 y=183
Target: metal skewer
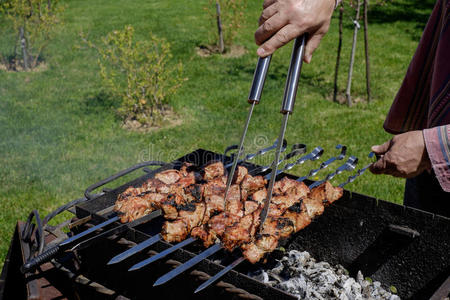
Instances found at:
x=287 y=107
x=161 y=254
x=314 y=155
x=64 y=245
x=358 y=173
x=326 y=163
x=138 y=248
x=260 y=152
x=349 y=165
x=297 y=149
x=116 y=230
x=254 y=97
x=190 y=263
x=220 y=274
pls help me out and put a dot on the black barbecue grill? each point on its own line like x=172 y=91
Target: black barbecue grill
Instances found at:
x=394 y=244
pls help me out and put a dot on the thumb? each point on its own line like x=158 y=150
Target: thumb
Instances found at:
x=381 y=149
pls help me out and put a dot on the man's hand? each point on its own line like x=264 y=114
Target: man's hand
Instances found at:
x=403 y=156
x=283 y=20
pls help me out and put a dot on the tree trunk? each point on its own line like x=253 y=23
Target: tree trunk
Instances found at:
x=219 y=28
x=338 y=58
x=352 y=57
x=23 y=45
x=366 y=46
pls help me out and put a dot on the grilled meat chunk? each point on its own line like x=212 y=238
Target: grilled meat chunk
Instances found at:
x=191 y=215
x=175 y=231
x=168 y=176
x=239 y=174
x=234 y=203
x=213 y=170
x=238 y=233
x=171 y=205
x=259 y=196
x=136 y=207
x=263 y=244
x=298 y=215
x=250 y=207
x=252 y=184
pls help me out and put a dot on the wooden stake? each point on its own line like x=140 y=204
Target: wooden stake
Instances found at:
x=352 y=57
x=366 y=47
x=338 y=58
x=219 y=28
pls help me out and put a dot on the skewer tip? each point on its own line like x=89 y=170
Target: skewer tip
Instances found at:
x=160 y=281
x=113 y=261
x=134 y=268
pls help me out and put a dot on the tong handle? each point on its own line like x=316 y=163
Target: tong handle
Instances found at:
x=258 y=79
x=295 y=68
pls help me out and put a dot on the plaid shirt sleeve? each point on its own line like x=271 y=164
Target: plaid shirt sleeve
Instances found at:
x=437 y=140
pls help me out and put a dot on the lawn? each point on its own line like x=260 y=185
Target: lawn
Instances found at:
x=59 y=133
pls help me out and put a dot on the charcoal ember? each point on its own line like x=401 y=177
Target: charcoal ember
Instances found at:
x=301 y=275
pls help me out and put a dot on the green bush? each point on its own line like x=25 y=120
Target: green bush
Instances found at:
x=138 y=73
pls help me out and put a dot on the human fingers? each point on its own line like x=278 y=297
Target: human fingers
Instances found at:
x=381 y=149
x=311 y=46
x=268 y=3
x=282 y=37
x=379 y=167
x=268 y=13
x=269 y=28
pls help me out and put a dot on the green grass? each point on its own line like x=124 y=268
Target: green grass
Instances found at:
x=58 y=134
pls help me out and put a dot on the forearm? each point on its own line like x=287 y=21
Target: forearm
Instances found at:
x=437 y=141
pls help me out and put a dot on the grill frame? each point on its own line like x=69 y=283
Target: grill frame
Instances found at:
x=350 y=233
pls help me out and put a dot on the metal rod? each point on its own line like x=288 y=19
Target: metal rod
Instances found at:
x=273 y=173
x=349 y=165
x=161 y=254
x=358 y=173
x=326 y=163
x=314 y=155
x=258 y=153
x=136 y=249
x=297 y=149
x=116 y=230
x=53 y=251
x=190 y=263
x=236 y=158
x=220 y=274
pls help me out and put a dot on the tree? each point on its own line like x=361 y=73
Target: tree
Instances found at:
x=228 y=15
x=35 y=22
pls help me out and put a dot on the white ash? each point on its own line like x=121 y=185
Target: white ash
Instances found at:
x=299 y=274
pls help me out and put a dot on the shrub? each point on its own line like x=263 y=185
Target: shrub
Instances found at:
x=35 y=22
x=138 y=73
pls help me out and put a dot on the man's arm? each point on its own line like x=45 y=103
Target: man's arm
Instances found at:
x=409 y=154
x=283 y=20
